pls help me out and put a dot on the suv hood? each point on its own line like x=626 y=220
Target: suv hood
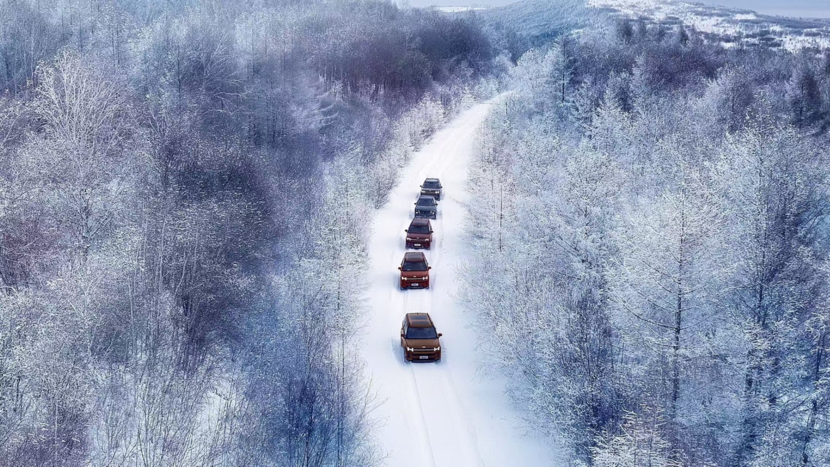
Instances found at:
x=422 y=343
x=421 y=236
x=414 y=273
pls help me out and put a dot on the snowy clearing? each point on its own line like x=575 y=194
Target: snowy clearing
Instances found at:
x=448 y=413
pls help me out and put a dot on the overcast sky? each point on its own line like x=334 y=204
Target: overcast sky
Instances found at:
x=773 y=7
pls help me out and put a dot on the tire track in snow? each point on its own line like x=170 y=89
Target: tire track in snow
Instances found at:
x=426 y=445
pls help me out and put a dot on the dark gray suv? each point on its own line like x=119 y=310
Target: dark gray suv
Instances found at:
x=426 y=207
x=432 y=187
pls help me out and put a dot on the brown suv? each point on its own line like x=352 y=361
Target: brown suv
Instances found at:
x=419 y=234
x=414 y=271
x=419 y=338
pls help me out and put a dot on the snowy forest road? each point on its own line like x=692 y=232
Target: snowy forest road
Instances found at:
x=446 y=414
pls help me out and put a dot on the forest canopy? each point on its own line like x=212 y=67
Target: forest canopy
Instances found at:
x=651 y=246
x=178 y=179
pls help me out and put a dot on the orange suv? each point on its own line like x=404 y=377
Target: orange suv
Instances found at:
x=414 y=271
x=419 y=338
x=419 y=234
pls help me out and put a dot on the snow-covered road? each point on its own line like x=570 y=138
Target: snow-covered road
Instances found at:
x=446 y=414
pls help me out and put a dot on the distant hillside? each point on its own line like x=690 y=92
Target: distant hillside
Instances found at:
x=534 y=22
x=731 y=27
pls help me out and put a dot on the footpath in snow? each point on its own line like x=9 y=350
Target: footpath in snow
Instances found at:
x=447 y=414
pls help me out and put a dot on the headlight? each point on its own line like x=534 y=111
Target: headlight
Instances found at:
x=409 y=239
x=437 y=349
x=409 y=349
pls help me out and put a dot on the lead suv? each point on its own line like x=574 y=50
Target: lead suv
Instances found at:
x=419 y=338
x=432 y=187
x=414 y=271
x=426 y=207
x=419 y=234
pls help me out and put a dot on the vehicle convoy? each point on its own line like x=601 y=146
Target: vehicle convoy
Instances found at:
x=432 y=187
x=414 y=271
x=419 y=234
x=419 y=338
x=426 y=207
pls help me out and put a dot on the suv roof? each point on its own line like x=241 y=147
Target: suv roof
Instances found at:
x=419 y=320
x=431 y=180
x=414 y=256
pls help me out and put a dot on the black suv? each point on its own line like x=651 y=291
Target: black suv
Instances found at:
x=432 y=187
x=426 y=207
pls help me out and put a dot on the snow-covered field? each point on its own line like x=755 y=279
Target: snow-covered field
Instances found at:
x=448 y=413
x=734 y=25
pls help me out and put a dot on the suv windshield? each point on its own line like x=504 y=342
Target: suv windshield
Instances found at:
x=421 y=333
x=431 y=185
x=424 y=201
x=414 y=266
x=418 y=229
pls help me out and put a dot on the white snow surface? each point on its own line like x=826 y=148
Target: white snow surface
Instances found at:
x=446 y=414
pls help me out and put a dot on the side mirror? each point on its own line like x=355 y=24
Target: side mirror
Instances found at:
x=439 y=334
x=406 y=230
x=429 y=267
x=399 y=268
